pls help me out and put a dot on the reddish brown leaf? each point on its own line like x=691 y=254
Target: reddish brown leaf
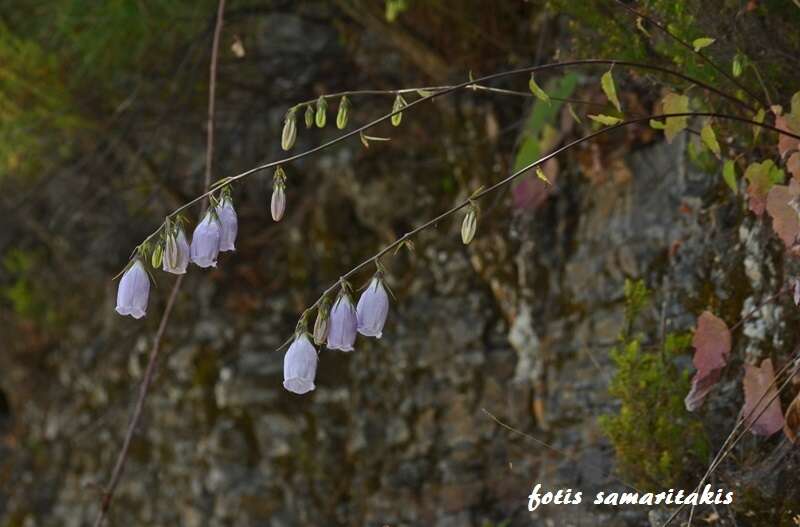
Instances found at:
x=785 y=220
x=793 y=165
x=785 y=143
x=712 y=343
x=762 y=413
x=792 y=425
x=760 y=177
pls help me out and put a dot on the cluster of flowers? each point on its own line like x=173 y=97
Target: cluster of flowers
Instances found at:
x=337 y=328
x=216 y=233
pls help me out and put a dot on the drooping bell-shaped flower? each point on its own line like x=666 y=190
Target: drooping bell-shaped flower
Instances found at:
x=176 y=253
x=372 y=309
x=342 y=324
x=229 y=225
x=133 y=291
x=205 y=241
x=300 y=365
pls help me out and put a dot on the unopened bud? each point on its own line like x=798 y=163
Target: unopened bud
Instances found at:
x=309 y=116
x=470 y=224
x=278 y=204
x=289 y=130
x=322 y=109
x=155 y=259
x=344 y=111
x=321 y=323
x=399 y=104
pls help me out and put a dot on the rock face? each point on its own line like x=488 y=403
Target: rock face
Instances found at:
x=406 y=430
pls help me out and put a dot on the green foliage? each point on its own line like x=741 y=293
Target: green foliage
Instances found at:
x=53 y=55
x=604 y=29
x=394 y=8
x=24 y=293
x=539 y=124
x=656 y=440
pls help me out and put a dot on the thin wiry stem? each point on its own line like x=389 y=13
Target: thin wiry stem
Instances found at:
x=122 y=457
x=446 y=91
x=435 y=89
x=688 y=46
x=515 y=175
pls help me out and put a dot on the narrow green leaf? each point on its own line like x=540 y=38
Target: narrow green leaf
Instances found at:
x=640 y=25
x=738 y=65
x=573 y=114
x=424 y=93
x=729 y=174
x=657 y=125
x=700 y=43
x=607 y=82
x=674 y=103
x=540 y=174
x=710 y=139
x=538 y=91
x=605 y=119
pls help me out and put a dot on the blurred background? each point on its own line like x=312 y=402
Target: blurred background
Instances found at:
x=102 y=133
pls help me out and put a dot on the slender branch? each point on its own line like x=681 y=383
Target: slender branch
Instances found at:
x=514 y=176
x=446 y=91
x=122 y=458
x=435 y=89
x=688 y=46
x=212 y=91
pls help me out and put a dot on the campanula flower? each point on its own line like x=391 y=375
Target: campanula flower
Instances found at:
x=134 y=289
x=176 y=253
x=372 y=309
x=205 y=241
x=300 y=365
x=229 y=225
x=342 y=324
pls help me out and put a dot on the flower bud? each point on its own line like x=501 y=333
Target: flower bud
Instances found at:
x=309 y=116
x=205 y=241
x=470 y=224
x=289 y=130
x=133 y=291
x=321 y=323
x=176 y=252
x=344 y=111
x=300 y=365
x=321 y=115
x=278 y=204
x=372 y=309
x=399 y=104
x=229 y=225
x=343 y=323
x=155 y=259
